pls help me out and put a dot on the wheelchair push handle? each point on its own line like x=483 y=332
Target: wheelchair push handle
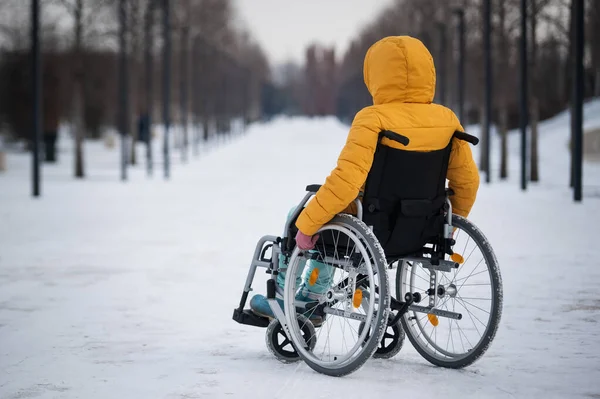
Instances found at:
x=395 y=136
x=466 y=137
x=405 y=140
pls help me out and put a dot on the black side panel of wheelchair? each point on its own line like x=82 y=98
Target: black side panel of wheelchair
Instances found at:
x=404 y=198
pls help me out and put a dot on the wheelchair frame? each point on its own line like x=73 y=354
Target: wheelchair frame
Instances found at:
x=280 y=246
x=285 y=245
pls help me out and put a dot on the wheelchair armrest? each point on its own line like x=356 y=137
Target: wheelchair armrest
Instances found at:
x=313 y=188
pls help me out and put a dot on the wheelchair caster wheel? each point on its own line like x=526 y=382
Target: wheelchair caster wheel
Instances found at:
x=392 y=341
x=279 y=344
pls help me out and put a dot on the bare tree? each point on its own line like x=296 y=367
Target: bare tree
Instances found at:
x=183 y=20
x=138 y=15
x=136 y=26
x=593 y=38
x=534 y=105
x=14 y=23
x=536 y=8
x=88 y=24
x=504 y=72
x=84 y=38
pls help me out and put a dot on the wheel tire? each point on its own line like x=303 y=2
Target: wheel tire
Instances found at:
x=397 y=335
x=388 y=352
x=496 y=313
x=274 y=331
x=379 y=263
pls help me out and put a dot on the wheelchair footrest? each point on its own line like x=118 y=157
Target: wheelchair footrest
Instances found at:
x=247 y=317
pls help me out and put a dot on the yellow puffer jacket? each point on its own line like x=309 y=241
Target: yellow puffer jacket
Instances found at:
x=400 y=75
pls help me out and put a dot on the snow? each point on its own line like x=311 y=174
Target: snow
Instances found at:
x=126 y=290
x=554 y=158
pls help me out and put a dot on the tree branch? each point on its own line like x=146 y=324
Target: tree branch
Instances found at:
x=69 y=6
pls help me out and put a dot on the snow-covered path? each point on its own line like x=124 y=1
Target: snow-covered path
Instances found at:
x=112 y=290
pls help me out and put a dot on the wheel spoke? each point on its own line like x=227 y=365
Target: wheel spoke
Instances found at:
x=454 y=309
x=472 y=320
x=343 y=331
x=419 y=323
x=327 y=341
x=473 y=275
x=435 y=339
x=467 y=338
x=476 y=307
x=471 y=253
x=460 y=336
x=478 y=299
x=464 y=251
x=421 y=277
x=450 y=335
x=457 y=271
x=470 y=275
x=473 y=285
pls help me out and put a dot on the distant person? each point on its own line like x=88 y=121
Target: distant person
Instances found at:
x=400 y=75
x=2 y=156
x=51 y=110
x=144 y=129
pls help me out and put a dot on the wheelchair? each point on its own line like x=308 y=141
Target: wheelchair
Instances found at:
x=446 y=296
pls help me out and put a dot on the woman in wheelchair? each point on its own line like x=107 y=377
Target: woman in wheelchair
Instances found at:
x=400 y=75
x=334 y=307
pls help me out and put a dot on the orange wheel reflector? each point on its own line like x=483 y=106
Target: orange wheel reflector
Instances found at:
x=357 y=298
x=457 y=258
x=314 y=275
x=433 y=319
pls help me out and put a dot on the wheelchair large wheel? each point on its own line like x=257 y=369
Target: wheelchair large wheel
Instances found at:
x=357 y=292
x=466 y=302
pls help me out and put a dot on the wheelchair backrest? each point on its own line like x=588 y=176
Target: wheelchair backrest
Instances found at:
x=405 y=194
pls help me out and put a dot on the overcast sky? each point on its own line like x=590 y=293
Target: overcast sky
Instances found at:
x=285 y=27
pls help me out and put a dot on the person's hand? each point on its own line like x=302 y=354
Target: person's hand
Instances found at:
x=305 y=242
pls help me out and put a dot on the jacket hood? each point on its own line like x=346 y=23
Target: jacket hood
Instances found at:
x=399 y=69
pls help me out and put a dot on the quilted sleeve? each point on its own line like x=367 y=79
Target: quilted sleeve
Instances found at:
x=463 y=177
x=344 y=183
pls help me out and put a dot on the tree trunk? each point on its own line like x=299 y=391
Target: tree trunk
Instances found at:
x=78 y=127
x=183 y=91
x=78 y=92
x=535 y=116
x=205 y=127
x=149 y=81
x=593 y=40
x=504 y=143
x=502 y=93
x=2 y=160
x=484 y=135
x=194 y=95
x=134 y=21
x=535 y=104
x=597 y=86
x=569 y=95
